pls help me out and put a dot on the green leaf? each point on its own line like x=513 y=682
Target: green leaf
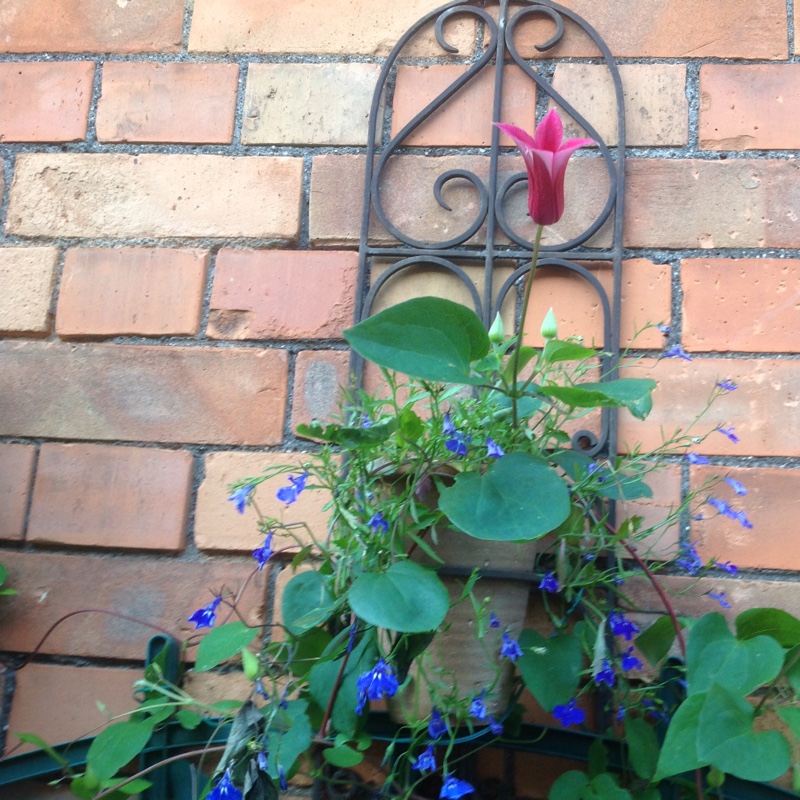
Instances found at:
x=131 y=787
x=289 y=736
x=411 y=426
x=622 y=487
x=774 y=622
x=222 y=643
x=41 y=744
x=526 y=355
x=407 y=598
x=550 y=667
x=679 y=751
x=308 y=648
x=188 y=719
x=427 y=337
x=116 y=746
x=605 y=787
x=598 y=758
x=791 y=716
x=307 y=602
x=655 y=642
x=347 y=436
x=792 y=667
x=643 y=747
x=556 y=350
x=342 y=756
x=519 y=498
x=569 y=786
x=630 y=393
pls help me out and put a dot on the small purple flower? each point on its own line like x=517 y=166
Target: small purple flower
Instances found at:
x=288 y=494
x=606 y=674
x=239 y=497
x=721 y=506
x=284 y=784
x=735 y=485
x=206 y=616
x=376 y=683
x=741 y=518
x=453 y=789
x=688 y=558
x=630 y=661
x=593 y=468
x=378 y=523
x=437 y=727
x=569 y=714
x=448 y=429
x=729 y=433
x=477 y=708
x=721 y=598
x=677 y=352
x=621 y=626
x=426 y=761
x=550 y=583
x=510 y=648
x=727 y=385
x=352 y=639
x=261 y=760
x=366 y=422
x=620 y=715
x=495 y=726
x=493 y=450
x=696 y=458
x=726 y=566
x=260 y=690
x=264 y=553
x=225 y=790
x=493 y=621
x=458 y=444
x=663 y=329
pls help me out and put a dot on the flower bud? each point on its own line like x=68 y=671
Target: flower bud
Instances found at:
x=549 y=329
x=250 y=665
x=496 y=332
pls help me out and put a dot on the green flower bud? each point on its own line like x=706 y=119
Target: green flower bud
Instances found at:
x=250 y=665
x=549 y=329
x=496 y=332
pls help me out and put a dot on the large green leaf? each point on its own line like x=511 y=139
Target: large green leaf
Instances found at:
x=679 y=751
x=656 y=641
x=569 y=786
x=116 y=746
x=556 y=350
x=631 y=393
x=427 y=337
x=550 y=667
x=519 y=498
x=306 y=603
x=774 y=622
x=643 y=746
x=407 y=598
x=289 y=736
x=222 y=643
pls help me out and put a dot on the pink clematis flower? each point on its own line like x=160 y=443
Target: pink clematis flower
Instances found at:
x=546 y=156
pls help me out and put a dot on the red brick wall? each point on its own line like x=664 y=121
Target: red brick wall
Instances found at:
x=181 y=199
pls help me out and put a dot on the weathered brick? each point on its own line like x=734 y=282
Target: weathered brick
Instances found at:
x=45 y=102
x=656 y=106
x=162 y=592
x=104 y=496
x=27 y=277
x=155 y=194
x=256 y=293
x=466 y=118
x=754 y=301
x=219 y=527
x=367 y=27
x=762 y=410
x=410 y=205
x=175 y=102
x=749 y=107
x=63 y=26
x=137 y=393
x=131 y=291
x=646 y=298
x=16 y=474
x=304 y=103
x=693 y=203
x=770 y=501
x=319 y=379
x=667 y=29
x=59 y=703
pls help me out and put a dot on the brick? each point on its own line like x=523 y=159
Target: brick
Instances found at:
x=678 y=203
x=656 y=106
x=749 y=107
x=138 y=393
x=466 y=118
x=93 y=495
x=320 y=377
x=80 y=194
x=352 y=27
x=771 y=499
x=754 y=301
x=27 y=278
x=255 y=294
x=175 y=102
x=646 y=298
x=304 y=104
x=59 y=703
x=407 y=194
x=219 y=527
x=45 y=102
x=667 y=29
x=131 y=291
x=93 y=26
x=762 y=410
x=16 y=475
x=162 y=592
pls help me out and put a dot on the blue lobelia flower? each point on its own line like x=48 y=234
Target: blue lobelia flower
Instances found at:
x=510 y=648
x=740 y=517
x=239 y=497
x=376 y=683
x=736 y=486
x=452 y=788
x=476 y=708
x=378 y=523
x=493 y=621
x=458 y=444
x=729 y=433
x=727 y=385
x=721 y=598
x=620 y=715
x=426 y=761
x=264 y=553
x=284 y=784
x=630 y=661
x=726 y=566
x=437 y=727
x=288 y=494
x=606 y=674
x=662 y=328
x=224 y=790
x=722 y=507
x=261 y=761
x=621 y=626
x=688 y=558
x=206 y=616
x=495 y=726
x=696 y=458
x=448 y=428
x=493 y=450
x=677 y=352
x=550 y=583
x=569 y=714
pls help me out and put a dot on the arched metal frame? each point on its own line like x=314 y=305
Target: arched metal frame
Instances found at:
x=501 y=240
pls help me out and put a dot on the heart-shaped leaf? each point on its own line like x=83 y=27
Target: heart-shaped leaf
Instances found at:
x=550 y=667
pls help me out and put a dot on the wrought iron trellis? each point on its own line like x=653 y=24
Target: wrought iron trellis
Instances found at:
x=492 y=235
